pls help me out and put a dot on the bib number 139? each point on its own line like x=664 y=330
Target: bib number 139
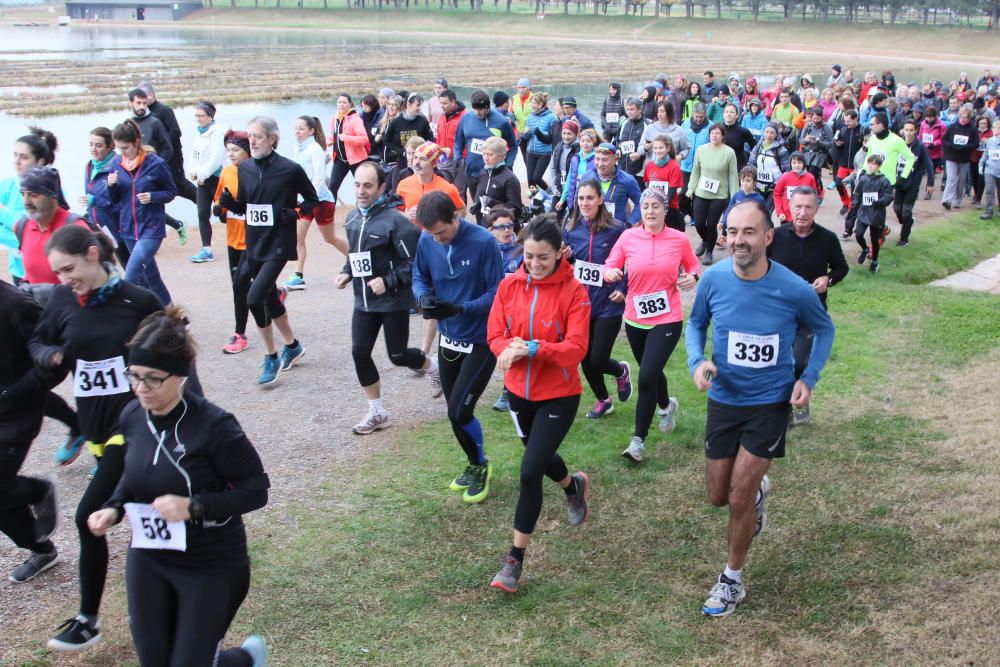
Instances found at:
x=588 y=273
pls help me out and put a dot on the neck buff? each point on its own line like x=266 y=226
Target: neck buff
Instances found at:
x=103 y=293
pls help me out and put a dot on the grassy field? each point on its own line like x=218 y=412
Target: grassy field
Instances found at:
x=884 y=519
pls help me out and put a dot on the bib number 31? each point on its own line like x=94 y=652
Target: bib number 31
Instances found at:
x=152 y=531
x=752 y=351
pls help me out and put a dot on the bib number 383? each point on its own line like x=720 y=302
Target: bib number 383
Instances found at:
x=152 y=531
x=100 y=378
x=588 y=273
x=455 y=345
x=651 y=305
x=361 y=263
x=752 y=350
x=260 y=215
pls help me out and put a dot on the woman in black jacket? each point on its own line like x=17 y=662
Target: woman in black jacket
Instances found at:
x=190 y=474
x=498 y=185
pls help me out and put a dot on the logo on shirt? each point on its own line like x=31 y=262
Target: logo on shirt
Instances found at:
x=466 y=262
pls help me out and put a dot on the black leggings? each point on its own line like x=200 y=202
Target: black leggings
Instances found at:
x=903 y=205
x=685 y=202
x=875 y=233
x=537 y=164
x=239 y=275
x=978 y=183
x=652 y=349
x=262 y=298
x=675 y=220
x=817 y=173
x=205 y=195
x=464 y=378
x=57 y=408
x=364 y=331
x=338 y=173
x=707 y=213
x=801 y=348
x=94 y=550
x=541 y=441
x=180 y=615
x=16 y=494
x=598 y=362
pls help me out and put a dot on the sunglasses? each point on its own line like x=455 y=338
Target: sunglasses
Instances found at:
x=502 y=228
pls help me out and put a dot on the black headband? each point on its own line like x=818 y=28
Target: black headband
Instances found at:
x=174 y=365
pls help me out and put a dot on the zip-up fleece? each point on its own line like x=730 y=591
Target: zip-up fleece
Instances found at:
x=594 y=247
x=872 y=195
x=392 y=241
x=555 y=312
x=653 y=263
x=136 y=220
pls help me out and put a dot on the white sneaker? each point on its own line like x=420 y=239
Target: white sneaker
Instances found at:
x=635 y=449
x=724 y=597
x=434 y=375
x=801 y=416
x=765 y=486
x=668 y=416
x=374 y=421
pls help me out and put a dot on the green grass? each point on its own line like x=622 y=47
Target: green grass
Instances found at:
x=391 y=568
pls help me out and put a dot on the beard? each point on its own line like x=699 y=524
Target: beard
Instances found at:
x=747 y=256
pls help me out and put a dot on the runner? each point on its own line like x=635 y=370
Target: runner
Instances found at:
x=612 y=111
x=563 y=153
x=755 y=307
x=907 y=189
x=772 y=159
x=872 y=195
x=664 y=125
x=989 y=167
x=387 y=154
x=541 y=132
x=959 y=142
x=813 y=253
x=457 y=269
x=188 y=570
x=238 y=148
x=617 y=187
x=498 y=184
x=714 y=179
x=662 y=171
x=797 y=177
x=83 y=330
x=589 y=235
x=28 y=513
x=847 y=141
x=269 y=188
x=311 y=156
x=383 y=243
x=659 y=261
x=140 y=185
x=474 y=129
x=349 y=142
x=579 y=165
x=696 y=130
x=209 y=155
x=521 y=108
x=538 y=330
x=628 y=140
x=409 y=123
x=500 y=222
x=101 y=210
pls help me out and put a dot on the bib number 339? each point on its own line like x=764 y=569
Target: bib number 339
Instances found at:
x=752 y=350
x=99 y=378
x=152 y=531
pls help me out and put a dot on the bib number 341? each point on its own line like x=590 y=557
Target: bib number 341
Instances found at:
x=752 y=350
x=100 y=378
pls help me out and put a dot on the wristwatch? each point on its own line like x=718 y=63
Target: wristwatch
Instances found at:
x=195 y=508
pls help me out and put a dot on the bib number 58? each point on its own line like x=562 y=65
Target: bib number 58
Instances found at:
x=155 y=528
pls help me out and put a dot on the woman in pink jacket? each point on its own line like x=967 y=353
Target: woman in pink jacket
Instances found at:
x=659 y=261
x=932 y=136
x=348 y=140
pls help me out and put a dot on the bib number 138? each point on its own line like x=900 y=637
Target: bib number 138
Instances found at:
x=361 y=263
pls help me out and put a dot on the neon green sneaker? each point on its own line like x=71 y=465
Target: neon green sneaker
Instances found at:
x=479 y=483
x=461 y=483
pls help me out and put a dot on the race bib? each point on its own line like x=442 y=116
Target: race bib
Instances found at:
x=152 y=531
x=484 y=205
x=361 y=264
x=611 y=118
x=455 y=346
x=960 y=140
x=100 y=378
x=790 y=192
x=994 y=154
x=476 y=147
x=260 y=215
x=651 y=305
x=927 y=138
x=627 y=147
x=765 y=176
x=588 y=273
x=611 y=207
x=197 y=155
x=710 y=184
x=752 y=351
x=869 y=198
x=662 y=186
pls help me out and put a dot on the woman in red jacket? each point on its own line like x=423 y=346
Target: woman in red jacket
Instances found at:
x=538 y=330
x=348 y=140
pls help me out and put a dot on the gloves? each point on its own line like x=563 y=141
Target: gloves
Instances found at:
x=434 y=309
x=217 y=211
x=228 y=202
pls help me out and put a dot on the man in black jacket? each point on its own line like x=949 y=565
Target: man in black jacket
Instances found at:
x=156 y=135
x=628 y=140
x=165 y=115
x=814 y=253
x=908 y=188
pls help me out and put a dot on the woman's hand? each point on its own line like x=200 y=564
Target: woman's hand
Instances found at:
x=613 y=275
x=113 y=178
x=100 y=521
x=173 y=508
x=516 y=351
x=143 y=197
x=686 y=281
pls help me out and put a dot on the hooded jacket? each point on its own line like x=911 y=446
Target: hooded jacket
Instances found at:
x=594 y=247
x=697 y=136
x=872 y=195
x=136 y=220
x=447 y=126
x=932 y=136
x=391 y=240
x=554 y=312
x=771 y=162
x=351 y=140
x=472 y=132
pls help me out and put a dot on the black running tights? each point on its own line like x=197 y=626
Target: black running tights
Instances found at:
x=652 y=349
x=598 y=362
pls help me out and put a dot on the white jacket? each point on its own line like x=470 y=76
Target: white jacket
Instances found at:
x=209 y=152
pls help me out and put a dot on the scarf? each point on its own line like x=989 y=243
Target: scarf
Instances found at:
x=883 y=134
x=203 y=130
x=131 y=165
x=97 y=166
x=103 y=293
x=666 y=159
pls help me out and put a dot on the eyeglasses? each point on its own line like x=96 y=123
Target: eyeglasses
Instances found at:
x=503 y=228
x=150 y=381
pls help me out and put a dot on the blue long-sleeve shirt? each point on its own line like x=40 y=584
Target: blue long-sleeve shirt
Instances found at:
x=473 y=131
x=753 y=328
x=739 y=198
x=11 y=210
x=465 y=272
x=618 y=192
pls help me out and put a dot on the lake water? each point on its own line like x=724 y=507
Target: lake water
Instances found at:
x=89 y=42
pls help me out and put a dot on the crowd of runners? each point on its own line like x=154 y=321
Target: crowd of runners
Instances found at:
x=533 y=279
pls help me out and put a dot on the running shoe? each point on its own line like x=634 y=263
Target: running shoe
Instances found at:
x=371 y=423
x=237 y=343
x=902 y=243
x=946 y=204
x=34 y=566
x=182 y=235
x=873 y=267
x=801 y=416
x=204 y=255
x=502 y=404
x=509 y=576
x=290 y=354
x=78 y=635
x=93 y=471
x=282 y=295
x=707 y=258
x=635 y=449
x=434 y=376
x=46 y=513
x=765 y=486
x=844 y=210
x=927 y=196
x=296 y=282
x=576 y=504
x=976 y=203
x=846 y=235
x=724 y=597
x=862 y=256
x=986 y=216
x=462 y=482
x=257 y=648
x=269 y=369
x=479 y=483
x=831 y=186
x=70 y=450
x=624 y=382
x=601 y=409
x=668 y=416
x=700 y=250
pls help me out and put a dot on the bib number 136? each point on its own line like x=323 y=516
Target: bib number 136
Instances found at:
x=752 y=351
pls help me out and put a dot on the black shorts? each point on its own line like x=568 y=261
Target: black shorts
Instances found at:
x=760 y=429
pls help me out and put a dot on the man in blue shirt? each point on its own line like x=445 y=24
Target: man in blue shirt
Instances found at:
x=456 y=272
x=755 y=307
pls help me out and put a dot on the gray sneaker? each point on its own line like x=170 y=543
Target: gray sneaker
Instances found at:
x=576 y=504
x=46 y=513
x=34 y=566
x=801 y=416
x=434 y=375
x=502 y=404
x=724 y=597
x=635 y=449
x=371 y=423
x=668 y=416
x=509 y=576
x=765 y=486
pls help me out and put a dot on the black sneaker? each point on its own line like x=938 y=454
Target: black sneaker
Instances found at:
x=946 y=204
x=46 y=514
x=846 y=235
x=873 y=268
x=34 y=566
x=902 y=243
x=700 y=250
x=986 y=216
x=844 y=210
x=77 y=635
x=862 y=256
x=576 y=504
